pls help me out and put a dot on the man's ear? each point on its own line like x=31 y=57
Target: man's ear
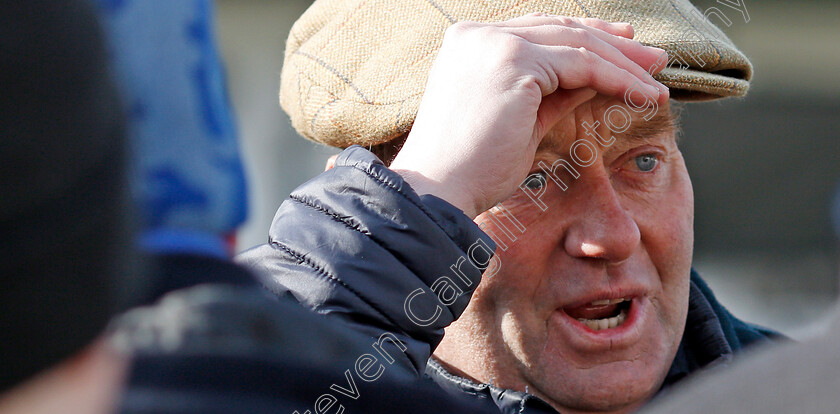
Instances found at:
x=330 y=162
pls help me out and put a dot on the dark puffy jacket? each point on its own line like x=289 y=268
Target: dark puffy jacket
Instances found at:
x=359 y=247
x=218 y=343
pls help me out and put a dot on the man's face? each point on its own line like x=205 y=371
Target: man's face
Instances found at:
x=621 y=232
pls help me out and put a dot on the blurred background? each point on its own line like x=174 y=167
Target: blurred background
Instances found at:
x=765 y=168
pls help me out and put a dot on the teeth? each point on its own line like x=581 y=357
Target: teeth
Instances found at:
x=603 y=324
x=606 y=323
x=606 y=302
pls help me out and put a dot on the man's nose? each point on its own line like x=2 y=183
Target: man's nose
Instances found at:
x=601 y=228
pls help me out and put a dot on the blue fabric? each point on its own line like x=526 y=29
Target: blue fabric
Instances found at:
x=187 y=173
x=180 y=241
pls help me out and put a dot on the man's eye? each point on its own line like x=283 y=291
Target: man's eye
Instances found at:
x=646 y=162
x=534 y=181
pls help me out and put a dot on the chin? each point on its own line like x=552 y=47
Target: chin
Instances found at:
x=614 y=381
x=615 y=387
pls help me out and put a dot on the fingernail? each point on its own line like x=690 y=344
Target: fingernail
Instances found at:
x=665 y=91
x=645 y=96
x=652 y=81
x=654 y=91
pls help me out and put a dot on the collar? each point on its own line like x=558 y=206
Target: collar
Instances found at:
x=508 y=401
x=704 y=343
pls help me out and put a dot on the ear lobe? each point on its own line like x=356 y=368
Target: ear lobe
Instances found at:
x=330 y=162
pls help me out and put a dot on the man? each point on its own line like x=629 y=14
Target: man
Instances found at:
x=550 y=133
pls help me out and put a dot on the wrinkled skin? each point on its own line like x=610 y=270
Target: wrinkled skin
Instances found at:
x=615 y=230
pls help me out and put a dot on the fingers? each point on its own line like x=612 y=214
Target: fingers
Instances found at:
x=614 y=28
x=626 y=54
x=611 y=41
x=557 y=106
x=645 y=56
x=580 y=67
x=536 y=19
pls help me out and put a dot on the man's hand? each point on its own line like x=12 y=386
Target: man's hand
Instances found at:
x=496 y=89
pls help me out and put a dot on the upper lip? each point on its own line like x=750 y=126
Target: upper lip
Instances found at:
x=627 y=292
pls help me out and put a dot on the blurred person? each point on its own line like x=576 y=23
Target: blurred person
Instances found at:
x=209 y=339
x=68 y=264
x=186 y=174
x=224 y=346
x=533 y=148
x=65 y=264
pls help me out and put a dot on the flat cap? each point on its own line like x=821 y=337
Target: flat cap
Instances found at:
x=355 y=70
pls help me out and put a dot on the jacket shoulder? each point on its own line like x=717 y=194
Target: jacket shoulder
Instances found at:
x=739 y=334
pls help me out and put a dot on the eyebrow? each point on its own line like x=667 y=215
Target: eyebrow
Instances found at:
x=662 y=121
x=639 y=131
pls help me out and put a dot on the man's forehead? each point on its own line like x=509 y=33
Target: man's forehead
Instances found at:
x=662 y=123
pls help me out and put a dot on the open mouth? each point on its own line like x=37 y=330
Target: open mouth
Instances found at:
x=603 y=314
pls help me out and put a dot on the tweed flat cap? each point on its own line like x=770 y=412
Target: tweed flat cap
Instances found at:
x=355 y=70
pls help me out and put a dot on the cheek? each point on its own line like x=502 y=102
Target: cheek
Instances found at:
x=666 y=224
x=680 y=213
x=524 y=255
x=667 y=229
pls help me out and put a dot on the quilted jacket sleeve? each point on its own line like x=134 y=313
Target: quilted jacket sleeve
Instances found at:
x=359 y=246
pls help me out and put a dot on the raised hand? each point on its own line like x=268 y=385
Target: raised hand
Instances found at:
x=496 y=89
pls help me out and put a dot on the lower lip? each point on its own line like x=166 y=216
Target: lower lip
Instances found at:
x=628 y=333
